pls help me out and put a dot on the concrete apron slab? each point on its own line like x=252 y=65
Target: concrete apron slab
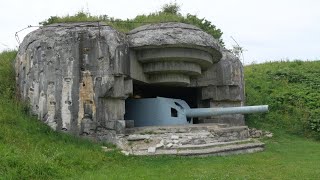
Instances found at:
x=188 y=140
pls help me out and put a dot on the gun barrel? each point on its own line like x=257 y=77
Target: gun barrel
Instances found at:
x=207 y=112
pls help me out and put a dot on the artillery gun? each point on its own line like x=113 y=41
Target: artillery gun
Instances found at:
x=166 y=111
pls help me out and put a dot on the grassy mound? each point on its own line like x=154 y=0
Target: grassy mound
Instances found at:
x=292 y=91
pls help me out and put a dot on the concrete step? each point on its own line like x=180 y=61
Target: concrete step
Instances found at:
x=198 y=134
x=175 y=128
x=217 y=150
x=195 y=139
x=216 y=144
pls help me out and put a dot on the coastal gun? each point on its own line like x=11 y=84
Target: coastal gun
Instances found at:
x=166 y=111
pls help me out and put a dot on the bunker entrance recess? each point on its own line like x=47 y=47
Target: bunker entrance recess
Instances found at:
x=145 y=99
x=188 y=94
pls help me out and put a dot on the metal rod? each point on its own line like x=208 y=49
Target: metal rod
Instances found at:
x=207 y=112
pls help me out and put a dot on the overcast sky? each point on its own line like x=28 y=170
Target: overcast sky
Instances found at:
x=269 y=30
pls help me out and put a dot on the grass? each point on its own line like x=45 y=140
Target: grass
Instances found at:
x=285 y=157
x=31 y=150
x=292 y=91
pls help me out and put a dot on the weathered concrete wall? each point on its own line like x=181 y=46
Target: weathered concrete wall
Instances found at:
x=171 y=53
x=173 y=34
x=222 y=85
x=73 y=75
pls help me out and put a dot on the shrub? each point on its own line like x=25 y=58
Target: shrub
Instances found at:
x=7 y=74
x=314 y=121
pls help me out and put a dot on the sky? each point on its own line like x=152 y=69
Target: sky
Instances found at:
x=268 y=30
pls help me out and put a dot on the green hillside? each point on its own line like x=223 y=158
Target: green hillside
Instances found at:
x=31 y=150
x=292 y=90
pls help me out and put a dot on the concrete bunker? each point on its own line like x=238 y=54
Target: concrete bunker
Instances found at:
x=79 y=78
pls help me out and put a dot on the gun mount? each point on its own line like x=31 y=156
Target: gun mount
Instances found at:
x=166 y=111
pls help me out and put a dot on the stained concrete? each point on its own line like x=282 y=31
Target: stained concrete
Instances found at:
x=173 y=34
x=157 y=45
x=73 y=75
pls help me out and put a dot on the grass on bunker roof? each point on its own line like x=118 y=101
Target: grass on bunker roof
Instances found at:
x=31 y=150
